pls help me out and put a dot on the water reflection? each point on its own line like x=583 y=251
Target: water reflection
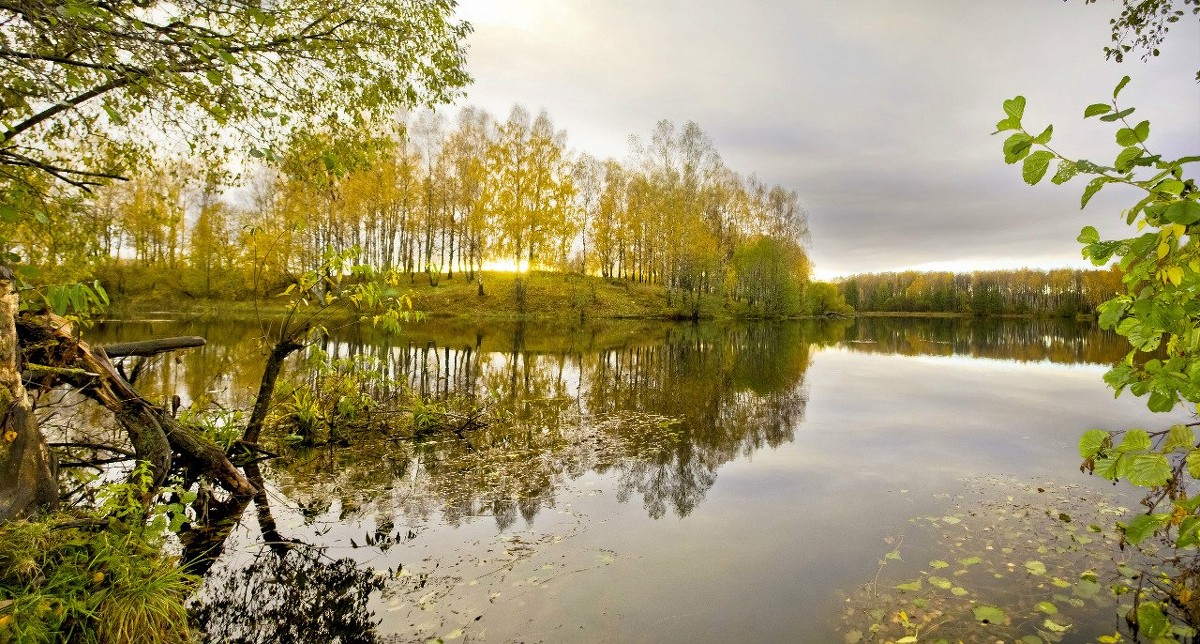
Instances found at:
x=1024 y=340
x=654 y=410
x=663 y=406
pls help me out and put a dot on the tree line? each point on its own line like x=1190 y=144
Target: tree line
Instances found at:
x=1055 y=292
x=439 y=198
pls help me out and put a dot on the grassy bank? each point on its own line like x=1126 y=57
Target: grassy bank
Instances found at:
x=543 y=297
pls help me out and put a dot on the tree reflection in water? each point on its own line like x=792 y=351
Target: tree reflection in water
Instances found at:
x=660 y=407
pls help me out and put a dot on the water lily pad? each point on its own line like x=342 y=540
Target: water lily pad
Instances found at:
x=1055 y=627
x=1035 y=567
x=938 y=565
x=1047 y=608
x=990 y=615
x=940 y=582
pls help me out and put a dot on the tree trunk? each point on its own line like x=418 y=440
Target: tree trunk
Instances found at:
x=27 y=470
x=152 y=430
x=266 y=389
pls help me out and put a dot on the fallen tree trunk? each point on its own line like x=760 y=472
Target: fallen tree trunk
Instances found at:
x=148 y=348
x=153 y=431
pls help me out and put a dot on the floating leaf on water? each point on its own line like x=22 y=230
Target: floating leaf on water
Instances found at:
x=454 y=634
x=970 y=561
x=1087 y=589
x=940 y=582
x=938 y=564
x=1061 y=583
x=1055 y=627
x=1035 y=567
x=853 y=637
x=1047 y=608
x=894 y=555
x=908 y=639
x=1031 y=639
x=952 y=520
x=913 y=586
x=959 y=591
x=990 y=615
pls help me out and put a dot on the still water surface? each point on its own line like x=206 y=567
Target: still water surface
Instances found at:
x=668 y=483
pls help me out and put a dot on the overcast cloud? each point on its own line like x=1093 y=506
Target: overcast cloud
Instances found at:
x=877 y=113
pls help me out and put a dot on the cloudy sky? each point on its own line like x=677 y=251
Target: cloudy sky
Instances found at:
x=879 y=113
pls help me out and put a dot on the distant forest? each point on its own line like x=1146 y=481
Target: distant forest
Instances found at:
x=1057 y=292
x=436 y=199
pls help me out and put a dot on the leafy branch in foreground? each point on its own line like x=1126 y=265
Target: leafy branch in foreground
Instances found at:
x=342 y=284
x=1159 y=314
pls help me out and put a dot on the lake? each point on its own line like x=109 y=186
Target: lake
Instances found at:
x=655 y=482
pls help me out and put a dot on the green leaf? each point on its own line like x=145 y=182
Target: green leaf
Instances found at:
x=1106 y=468
x=1054 y=627
x=1135 y=440
x=912 y=586
x=1112 y=311
x=1015 y=107
x=1120 y=86
x=1189 y=532
x=1044 y=137
x=1179 y=437
x=1047 y=608
x=1184 y=213
x=940 y=582
x=939 y=564
x=1143 y=526
x=1148 y=470
x=1143 y=336
x=113 y=115
x=1151 y=621
x=1096 y=109
x=1116 y=116
x=1161 y=400
x=1035 y=568
x=1066 y=171
x=9 y=214
x=1126 y=137
x=1016 y=147
x=1171 y=187
x=1092 y=188
x=1089 y=235
x=1127 y=157
x=1193 y=463
x=1035 y=166
x=990 y=615
x=214 y=76
x=893 y=555
x=1142 y=130
x=1007 y=124
x=1092 y=442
